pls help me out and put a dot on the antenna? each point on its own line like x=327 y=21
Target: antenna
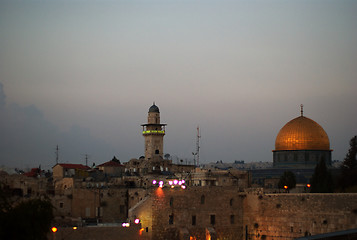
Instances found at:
x=198 y=147
x=86 y=156
x=57 y=154
x=302 y=109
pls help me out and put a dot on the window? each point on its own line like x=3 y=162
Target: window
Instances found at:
x=87 y=212
x=171 y=201
x=193 y=220
x=231 y=202
x=61 y=205
x=213 y=219
x=157 y=151
x=171 y=219
x=121 y=209
x=203 y=199
x=232 y=219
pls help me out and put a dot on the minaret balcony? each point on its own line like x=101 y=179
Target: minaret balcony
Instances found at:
x=155 y=132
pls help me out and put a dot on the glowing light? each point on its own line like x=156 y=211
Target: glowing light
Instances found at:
x=183 y=181
x=54 y=229
x=141 y=231
x=154 y=182
x=180 y=182
x=153 y=131
x=183 y=186
x=175 y=182
x=137 y=221
x=74 y=228
x=170 y=182
x=286 y=187
x=172 y=186
x=161 y=184
x=126 y=224
x=308 y=185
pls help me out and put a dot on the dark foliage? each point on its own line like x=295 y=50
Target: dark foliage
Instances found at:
x=321 y=181
x=30 y=219
x=348 y=178
x=287 y=179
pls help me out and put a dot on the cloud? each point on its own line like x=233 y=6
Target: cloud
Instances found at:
x=27 y=139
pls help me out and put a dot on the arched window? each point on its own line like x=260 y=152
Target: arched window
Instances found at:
x=157 y=151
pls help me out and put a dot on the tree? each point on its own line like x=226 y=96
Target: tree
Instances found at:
x=30 y=219
x=348 y=178
x=321 y=180
x=287 y=179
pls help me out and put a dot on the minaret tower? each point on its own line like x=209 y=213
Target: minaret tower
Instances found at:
x=154 y=133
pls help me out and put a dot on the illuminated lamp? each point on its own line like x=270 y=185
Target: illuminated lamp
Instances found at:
x=126 y=224
x=154 y=182
x=286 y=187
x=183 y=186
x=137 y=221
x=175 y=182
x=74 y=228
x=308 y=185
x=170 y=182
x=54 y=229
x=180 y=182
x=172 y=186
x=183 y=181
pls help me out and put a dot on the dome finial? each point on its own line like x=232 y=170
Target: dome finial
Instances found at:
x=302 y=109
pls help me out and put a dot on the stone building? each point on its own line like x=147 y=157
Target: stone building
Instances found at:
x=301 y=143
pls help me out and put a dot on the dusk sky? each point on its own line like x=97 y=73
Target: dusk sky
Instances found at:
x=83 y=74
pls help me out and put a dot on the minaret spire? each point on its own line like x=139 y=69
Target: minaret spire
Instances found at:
x=302 y=109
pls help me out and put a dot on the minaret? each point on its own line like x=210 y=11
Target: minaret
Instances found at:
x=154 y=133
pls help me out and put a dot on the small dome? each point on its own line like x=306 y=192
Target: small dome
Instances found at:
x=302 y=133
x=154 y=108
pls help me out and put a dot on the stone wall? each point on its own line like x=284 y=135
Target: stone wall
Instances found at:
x=288 y=216
x=194 y=209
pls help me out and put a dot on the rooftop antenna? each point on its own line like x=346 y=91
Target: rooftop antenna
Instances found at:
x=198 y=147
x=57 y=154
x=302 y=109
x=86 y=156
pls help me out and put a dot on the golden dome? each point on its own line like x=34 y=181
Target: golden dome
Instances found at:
x=302 y=133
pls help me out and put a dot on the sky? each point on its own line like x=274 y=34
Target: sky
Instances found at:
x=82 y=75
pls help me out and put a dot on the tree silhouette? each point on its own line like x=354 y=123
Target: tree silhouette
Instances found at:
x=321 y=180
x=287 y=179
x=30 y=219
x=348 y=177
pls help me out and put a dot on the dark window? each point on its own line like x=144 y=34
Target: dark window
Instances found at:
x=171 y=219
x=203 y=199
x=213 y=219
x=194 y=220
x=61 y=205
x=157 y=151
x=121 y=210
x=231 y=202
x=171 y=201
x=232 y=219
x=147 y=229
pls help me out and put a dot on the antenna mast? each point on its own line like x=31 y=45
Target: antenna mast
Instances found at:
x=57 y=154
x=198 y=146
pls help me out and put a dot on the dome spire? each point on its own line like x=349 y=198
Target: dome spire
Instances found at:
x=302 y=109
